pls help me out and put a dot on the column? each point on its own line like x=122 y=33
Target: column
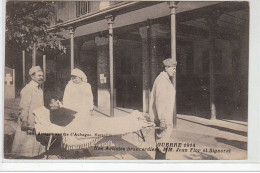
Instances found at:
x=44 y=73
x=146 y=67
x=14 y=81
x=110 y=22
x=173 y=6
x=34 y=53
x=103 y=73
x=72 y=32
x=212 y=24
x=24 y=81
x=44 y=67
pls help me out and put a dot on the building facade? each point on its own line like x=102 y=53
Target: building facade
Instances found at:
x=211 y=50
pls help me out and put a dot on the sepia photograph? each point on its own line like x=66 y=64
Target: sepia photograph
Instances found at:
x=126 y=80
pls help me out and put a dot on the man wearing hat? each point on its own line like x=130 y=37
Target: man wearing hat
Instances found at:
x=25 y=143
x=162 y=105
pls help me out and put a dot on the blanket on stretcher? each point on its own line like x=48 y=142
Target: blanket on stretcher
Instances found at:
x=85 y=131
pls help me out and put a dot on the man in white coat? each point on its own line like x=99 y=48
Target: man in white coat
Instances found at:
x=25 y=144
x=162 y=107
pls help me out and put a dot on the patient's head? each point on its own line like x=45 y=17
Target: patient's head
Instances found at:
x=54 y=104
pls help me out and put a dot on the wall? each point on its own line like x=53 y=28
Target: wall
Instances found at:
x=65 y=10
x=152 y=12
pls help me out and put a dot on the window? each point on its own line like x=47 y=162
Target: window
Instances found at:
x=83 y=7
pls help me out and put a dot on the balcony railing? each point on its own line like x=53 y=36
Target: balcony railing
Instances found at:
x=84 y=7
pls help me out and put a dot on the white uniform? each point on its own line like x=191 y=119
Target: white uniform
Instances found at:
x=24 y=144
x=78 y=97
x=162 y=106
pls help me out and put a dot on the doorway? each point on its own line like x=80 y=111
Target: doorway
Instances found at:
x=128 y=75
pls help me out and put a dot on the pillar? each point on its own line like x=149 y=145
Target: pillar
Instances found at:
x=146 y=67
x=44 y=73
x=24 y=80
x=103 y=73
x=72 y=32
x=212 y=24
x=34 y=52
x=44 y=67
x=110 y=22
x=173 y=6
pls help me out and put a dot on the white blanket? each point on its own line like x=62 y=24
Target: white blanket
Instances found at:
x=43 y=124
x=84 y=132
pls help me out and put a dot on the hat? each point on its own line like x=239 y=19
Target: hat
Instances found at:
x=77 y=72
x=34 y=69
x=169 y=62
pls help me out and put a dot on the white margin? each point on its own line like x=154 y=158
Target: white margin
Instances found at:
x=252 y=164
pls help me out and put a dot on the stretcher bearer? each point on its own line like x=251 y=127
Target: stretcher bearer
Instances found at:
x=162 y=106
x=25 y=143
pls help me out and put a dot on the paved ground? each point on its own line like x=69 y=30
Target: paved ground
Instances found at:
x=210 y=140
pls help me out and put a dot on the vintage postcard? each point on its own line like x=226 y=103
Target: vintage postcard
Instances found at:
x=126 y=80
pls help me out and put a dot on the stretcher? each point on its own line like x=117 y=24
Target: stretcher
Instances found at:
x=84 y=132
